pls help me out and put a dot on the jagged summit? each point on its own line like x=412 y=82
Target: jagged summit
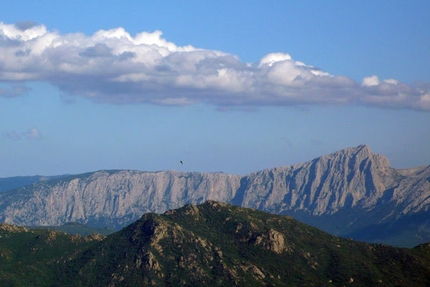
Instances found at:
x=346 y=178
x=357 y=155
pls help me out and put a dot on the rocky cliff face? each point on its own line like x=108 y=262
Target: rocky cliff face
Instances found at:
x=352 y=192
x=353 y=177
x=349 y=190
x=322 y=186
x=112 y=198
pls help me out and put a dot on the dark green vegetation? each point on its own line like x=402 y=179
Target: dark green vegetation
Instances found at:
x=213 y=244
x=76 y=228
x=33 y=257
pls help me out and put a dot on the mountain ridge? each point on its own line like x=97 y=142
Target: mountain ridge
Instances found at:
x=341 y=193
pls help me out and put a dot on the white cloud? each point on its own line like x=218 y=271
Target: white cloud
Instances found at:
x=112 y=66
x=370 y=81
x=22 y=32
x=273 y=58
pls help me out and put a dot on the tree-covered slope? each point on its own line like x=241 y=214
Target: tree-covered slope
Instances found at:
x=34 y=257
x=216 y=244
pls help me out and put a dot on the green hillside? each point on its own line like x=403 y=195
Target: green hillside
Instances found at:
x=217 y=244
x=213 y=244
x=32 y=257
x=76 y=228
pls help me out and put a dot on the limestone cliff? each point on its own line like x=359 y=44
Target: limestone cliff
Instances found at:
x=112 y=198
x=344 y=179
x=349 y=190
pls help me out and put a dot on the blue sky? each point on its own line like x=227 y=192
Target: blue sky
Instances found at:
x=232 y=86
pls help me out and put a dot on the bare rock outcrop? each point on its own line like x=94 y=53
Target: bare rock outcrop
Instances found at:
x=274 y=241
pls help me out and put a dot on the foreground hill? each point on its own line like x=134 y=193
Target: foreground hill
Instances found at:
x=353 y=193
x=215 y=244
x=33 y=257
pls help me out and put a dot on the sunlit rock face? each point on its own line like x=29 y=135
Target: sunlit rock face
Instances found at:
x=113 y=198
x=347 y=178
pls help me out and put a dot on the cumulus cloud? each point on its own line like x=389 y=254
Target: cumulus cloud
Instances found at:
x=112 y=66
x=31 y=134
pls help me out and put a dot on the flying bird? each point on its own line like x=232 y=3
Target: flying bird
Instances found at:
x=181 y=162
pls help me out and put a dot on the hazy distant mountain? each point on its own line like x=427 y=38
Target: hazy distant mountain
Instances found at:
x=8 y=183
x=352 y=192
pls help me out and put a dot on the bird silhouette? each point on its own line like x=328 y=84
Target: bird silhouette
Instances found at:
x=181 y=162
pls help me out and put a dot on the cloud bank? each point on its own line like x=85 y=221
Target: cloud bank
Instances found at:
x=111 y=66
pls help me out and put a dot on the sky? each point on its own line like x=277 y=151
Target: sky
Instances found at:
x=230 y=86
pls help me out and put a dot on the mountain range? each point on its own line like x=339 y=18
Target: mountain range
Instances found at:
x=212 y=244
x=350 y=193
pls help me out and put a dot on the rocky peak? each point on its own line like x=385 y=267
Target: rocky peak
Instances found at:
x=355 y=156
x=323 y=185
